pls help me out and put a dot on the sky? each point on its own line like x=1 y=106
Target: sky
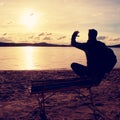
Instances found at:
x=54 y=21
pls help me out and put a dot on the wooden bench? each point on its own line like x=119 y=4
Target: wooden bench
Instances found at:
x=40 y=87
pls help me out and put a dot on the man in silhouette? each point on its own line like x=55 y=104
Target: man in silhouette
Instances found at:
x=96 y=57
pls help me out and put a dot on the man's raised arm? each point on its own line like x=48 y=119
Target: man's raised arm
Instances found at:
x=78 y=45
x=73 y=38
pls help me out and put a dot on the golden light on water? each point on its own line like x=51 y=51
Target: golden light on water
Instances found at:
x=29 y=58
x=34 y=58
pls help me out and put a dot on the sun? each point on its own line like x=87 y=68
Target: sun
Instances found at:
x=30 y=18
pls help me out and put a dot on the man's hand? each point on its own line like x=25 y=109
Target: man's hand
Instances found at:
x=75 y=34
x=73 y=39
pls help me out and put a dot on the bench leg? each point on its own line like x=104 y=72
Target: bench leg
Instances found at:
x=41 y=102
x=93 y=107
x=98 y=115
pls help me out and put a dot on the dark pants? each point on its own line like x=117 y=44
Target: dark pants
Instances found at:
x=83 y=71
x=80 y=70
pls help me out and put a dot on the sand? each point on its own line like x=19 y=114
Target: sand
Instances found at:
x=16 y=102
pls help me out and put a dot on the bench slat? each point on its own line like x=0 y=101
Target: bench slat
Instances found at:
x=52 y=85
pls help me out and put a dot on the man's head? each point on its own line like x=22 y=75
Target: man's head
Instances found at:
x=92 y=34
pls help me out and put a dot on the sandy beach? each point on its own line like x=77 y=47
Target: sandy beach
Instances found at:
x=16 y=102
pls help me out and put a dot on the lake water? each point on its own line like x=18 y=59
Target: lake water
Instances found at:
x=43 y=58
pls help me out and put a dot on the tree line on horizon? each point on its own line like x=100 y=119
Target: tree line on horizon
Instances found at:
x=4 y=44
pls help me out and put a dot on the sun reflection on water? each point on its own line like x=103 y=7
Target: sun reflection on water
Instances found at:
x=29 y=58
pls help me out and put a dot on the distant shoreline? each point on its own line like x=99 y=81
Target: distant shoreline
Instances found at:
x=42 y=44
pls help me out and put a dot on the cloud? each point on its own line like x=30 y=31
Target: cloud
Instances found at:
x=31 y=37
x=10 y=22
x=61 y=37
x=110 y=39
x=102 y=37
x=4 y=34
x=115 y=39
x=41 y=34
x=37 y=38
x=3 y=39
x=49 y=34
x=47 y=38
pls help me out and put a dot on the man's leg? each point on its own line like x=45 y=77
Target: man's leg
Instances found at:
x=79 y=69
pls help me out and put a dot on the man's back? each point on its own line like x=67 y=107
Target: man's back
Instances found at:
x=94 y=55
x=100 y=58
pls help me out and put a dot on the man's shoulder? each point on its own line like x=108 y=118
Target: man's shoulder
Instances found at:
x=101 y=43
